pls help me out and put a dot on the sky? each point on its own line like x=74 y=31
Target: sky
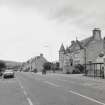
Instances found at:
x=31 y=27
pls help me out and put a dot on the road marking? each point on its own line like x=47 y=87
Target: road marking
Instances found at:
x=52 y=84
x=29 y=101
x=25 y=93
x=86 y=97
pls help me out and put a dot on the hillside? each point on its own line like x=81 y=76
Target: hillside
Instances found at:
x=11 y=64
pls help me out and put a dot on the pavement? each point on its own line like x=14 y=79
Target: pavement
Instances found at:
x=52 y=89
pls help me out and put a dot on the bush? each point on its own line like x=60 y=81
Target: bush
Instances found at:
x=68 y=72
x=35 y=70
x=78 y=69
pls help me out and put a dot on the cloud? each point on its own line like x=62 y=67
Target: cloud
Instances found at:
x=82 y=14
x=62 y=8
x=54 y=21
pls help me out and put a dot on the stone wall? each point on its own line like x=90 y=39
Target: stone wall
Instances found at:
x=78 y=57
x=93 y=50
x=61 y=59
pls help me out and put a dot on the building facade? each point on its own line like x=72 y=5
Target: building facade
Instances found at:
x=82 y=52
x=35 y=63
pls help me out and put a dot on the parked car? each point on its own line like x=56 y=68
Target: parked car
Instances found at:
x=8 y=74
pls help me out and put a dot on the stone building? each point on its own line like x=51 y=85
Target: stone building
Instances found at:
x=35 y=63
x=82 y=52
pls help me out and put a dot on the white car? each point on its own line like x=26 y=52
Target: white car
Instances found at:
x=8 y=74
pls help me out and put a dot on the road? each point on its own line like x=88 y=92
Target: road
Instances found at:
x=51 y=89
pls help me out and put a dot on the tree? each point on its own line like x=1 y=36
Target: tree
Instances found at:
x=2 y=66
x=47 y=66
x=57 y=65
x=78 y=69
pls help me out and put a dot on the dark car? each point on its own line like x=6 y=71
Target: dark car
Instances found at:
x=8 y=74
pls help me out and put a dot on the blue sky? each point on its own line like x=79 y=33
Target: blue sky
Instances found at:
x=31 y=27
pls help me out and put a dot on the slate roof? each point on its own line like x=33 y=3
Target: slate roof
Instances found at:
x=72 y=47
x=86 y=41
x=81 y=44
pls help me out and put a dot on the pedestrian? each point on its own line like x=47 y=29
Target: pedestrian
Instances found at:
x=43 y=71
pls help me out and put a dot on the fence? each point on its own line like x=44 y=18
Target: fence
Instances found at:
x=95 y=70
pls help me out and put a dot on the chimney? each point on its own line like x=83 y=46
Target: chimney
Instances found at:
x=97 y=34
x=72 y=42
x=41 y=55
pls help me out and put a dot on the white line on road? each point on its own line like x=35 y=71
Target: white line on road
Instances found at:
x=25 y=93
x=52 y=84
x=86 y=97
x=29 y=101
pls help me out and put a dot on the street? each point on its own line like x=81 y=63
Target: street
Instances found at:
x=51 y=89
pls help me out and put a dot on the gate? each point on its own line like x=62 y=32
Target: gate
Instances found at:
x=95 y=70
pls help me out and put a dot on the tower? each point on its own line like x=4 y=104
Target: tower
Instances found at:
x=61 y=56
x=97 y=34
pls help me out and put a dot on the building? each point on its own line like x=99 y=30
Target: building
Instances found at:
x=35 y=63
x=82 y=52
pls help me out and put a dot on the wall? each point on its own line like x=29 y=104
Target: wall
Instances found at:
x=93 y=50
x=61 y=59
x=35 y=63
x=78 y=57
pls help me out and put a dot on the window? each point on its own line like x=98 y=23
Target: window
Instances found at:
x=71 y=62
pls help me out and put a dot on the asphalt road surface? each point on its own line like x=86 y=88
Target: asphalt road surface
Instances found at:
x=51 y=89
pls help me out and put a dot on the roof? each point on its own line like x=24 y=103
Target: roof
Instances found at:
x=81 y=44
x=86 y=41
x=62 y=49
x=73 y=45
x=36 y=58
x=67 y=50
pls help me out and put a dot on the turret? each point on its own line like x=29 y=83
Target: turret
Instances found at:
x=62 y=49
x=61 y=55
x=97 y=34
